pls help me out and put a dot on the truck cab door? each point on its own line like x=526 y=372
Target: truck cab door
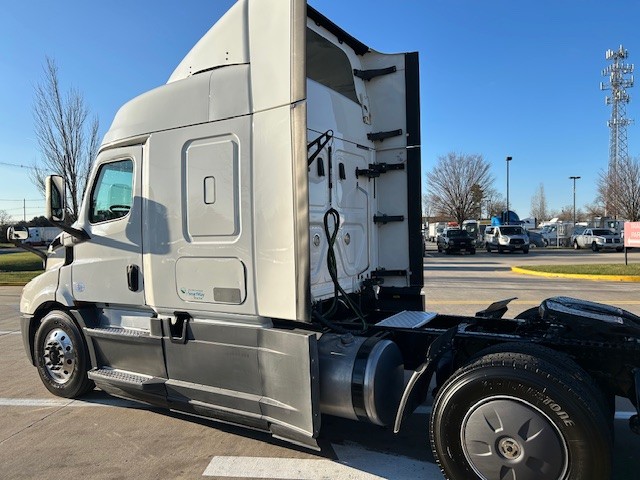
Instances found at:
x=108 y=267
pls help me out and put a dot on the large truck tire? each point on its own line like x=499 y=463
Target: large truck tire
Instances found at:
x=605 y=402
x=517 y=415
x=61 y=355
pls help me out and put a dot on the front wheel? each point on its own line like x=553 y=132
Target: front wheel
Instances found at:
x=516 y=415
x=61 y=356
x=594 y=246
x=575 y=245
x=525 y=250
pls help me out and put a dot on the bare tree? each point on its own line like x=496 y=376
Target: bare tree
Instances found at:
x=426 y=206
x=4 y=217
x=539 y=208
x=621 y=188
x=498 y=205
x=566 y=213
x=68 y=142
x=593 y=210
x=458 y=184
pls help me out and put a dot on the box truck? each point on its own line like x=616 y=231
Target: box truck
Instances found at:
x=249 y=249
x=436 y=229
x=42 y=235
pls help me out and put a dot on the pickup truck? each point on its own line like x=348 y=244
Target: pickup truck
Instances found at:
x=456 y=240
x=597 y=239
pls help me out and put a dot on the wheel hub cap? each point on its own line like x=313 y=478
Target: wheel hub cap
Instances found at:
x=507 y=438
x=59 y=356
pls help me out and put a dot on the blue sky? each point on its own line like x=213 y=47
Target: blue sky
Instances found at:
x=498 y=78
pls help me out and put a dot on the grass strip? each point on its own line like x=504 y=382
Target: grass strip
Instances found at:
x=17 y=279
x=588 y=269
x=20 y=262
x=19 y=268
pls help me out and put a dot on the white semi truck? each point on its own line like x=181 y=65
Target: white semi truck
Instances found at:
x=249 y=249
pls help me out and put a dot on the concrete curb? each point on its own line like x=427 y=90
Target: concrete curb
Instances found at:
x=609 y=278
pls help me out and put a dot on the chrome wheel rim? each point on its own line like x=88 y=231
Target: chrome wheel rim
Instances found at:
x=59 y=356
x=506 y=437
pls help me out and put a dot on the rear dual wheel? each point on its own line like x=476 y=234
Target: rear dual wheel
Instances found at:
x=517 y=415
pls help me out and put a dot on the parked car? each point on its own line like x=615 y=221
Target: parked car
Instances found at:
x=598 y=239
x=507 y=238
x=536 y=239
x=456 y=240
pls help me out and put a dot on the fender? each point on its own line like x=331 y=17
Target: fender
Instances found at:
x=421 y=377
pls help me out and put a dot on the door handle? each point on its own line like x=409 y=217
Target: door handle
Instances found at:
x=133 y=277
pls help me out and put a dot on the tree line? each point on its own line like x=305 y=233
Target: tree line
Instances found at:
x=461 y=187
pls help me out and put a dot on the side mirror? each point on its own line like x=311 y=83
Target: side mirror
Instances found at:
x=15 y=234
x=55 y=198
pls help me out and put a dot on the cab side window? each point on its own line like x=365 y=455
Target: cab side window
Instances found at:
x=111 y=196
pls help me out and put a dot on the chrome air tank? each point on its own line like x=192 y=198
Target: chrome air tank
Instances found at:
x=361 y=378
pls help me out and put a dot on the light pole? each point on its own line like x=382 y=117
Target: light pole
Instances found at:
x=574 y=198
x=508 y=160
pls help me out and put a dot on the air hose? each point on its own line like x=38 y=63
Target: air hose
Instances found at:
x=332 y=267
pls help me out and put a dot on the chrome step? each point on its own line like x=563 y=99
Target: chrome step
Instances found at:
x=407 y=319
x=130 y=335
x=124 y=379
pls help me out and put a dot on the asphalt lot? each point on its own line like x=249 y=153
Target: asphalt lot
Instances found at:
x=42 y=436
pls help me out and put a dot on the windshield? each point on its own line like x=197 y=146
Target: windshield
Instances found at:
x=512 y=231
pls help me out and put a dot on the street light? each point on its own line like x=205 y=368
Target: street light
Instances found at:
x=508 y=160
x=574 y=198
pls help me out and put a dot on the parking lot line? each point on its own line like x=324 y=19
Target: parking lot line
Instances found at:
x=354 y=463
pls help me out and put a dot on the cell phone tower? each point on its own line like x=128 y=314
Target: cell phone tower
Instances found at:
x=619 y=79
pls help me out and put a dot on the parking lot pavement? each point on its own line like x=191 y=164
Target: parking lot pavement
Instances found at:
x=42 y=436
